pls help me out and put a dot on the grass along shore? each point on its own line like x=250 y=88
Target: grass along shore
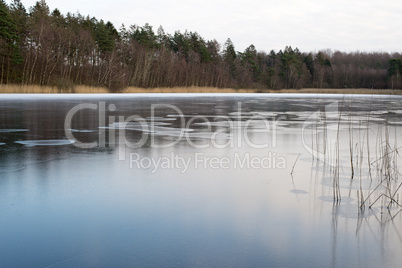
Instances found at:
x=17 y=89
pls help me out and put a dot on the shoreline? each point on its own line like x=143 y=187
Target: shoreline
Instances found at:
x=17 y=89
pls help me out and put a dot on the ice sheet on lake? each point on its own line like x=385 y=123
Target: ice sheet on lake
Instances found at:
x=81 y=130
x=13 y=130
x=200 y=136
x=335 y=127
x=215 y=124
x=253 y=115
x=348 y=210
x=359 y=119
x=172 y=117
x=303 y=114
x=266 y=114
x=209 y=135
x=295 y=191
x=378 y=112
x=195 y=116
x=161 y=124
x=155 y=130
x=137 y=125
x=344 y=199
x=250 y=124
x=156 y=118
x=242 y=114
x=31 y=143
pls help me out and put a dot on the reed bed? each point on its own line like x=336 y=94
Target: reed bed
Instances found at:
x=18 y=89
x=187 y=90
x=374 y=161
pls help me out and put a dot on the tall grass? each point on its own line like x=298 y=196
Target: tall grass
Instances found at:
x=187 y=90
x=16 y=89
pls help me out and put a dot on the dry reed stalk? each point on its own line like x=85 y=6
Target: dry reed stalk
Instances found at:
x=187 y=90
x=351 y=144
x=385 y=163
x=335 y=180
x=17 y=89
x=291 y=173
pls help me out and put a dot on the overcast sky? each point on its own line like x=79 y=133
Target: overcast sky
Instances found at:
x=310 y=25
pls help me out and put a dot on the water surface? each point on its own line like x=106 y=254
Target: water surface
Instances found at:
x=195 y=180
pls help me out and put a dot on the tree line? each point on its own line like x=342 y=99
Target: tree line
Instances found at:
x=43 y=47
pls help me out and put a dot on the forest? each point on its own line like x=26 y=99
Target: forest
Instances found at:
x=43 y=47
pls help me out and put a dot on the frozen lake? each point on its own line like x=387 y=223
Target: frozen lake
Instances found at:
x=201 y=180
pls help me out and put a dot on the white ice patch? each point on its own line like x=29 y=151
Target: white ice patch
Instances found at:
x=266 y=114
x=301 y=115
x=81 y=130
x=32 y=143
x=378 y=112
x=214 y=124
x=209 y=135
x=295 y=191
x=156 y=118
x=13 y=130
x=156 y=130
x=257 y=123
x=242 y=114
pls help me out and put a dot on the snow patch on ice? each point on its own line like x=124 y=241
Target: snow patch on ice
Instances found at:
x=31 y=143
x=13 y=130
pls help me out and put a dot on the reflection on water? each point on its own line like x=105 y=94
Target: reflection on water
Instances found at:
x=199 y=180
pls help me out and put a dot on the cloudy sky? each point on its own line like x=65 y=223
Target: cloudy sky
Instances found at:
x=310 y=25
